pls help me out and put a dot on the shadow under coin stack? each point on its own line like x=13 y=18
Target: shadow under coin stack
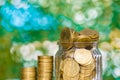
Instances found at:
x=45 y=67
x=28 y=73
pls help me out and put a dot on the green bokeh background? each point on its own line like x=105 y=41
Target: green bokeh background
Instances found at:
x=100 y=15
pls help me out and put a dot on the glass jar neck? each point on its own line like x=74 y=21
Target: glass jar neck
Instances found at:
x=86 y=45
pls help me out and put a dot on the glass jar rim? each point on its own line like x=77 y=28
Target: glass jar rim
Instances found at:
x=95 y=42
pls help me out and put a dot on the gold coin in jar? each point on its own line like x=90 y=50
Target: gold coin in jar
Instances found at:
x=71 y=67
x=66 y=38
x=83 y=56
x=94 y=35
x=65 y=77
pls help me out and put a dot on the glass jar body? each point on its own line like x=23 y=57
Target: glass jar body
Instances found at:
x=83 y=61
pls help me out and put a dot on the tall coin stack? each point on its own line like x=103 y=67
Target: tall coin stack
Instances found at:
x=28 y=73
x=45 y=67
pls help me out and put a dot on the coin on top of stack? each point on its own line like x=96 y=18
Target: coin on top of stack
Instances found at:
x=28 y=73
x=82 y=41
x=94 y=35
x=66 y=38
x=45 y=67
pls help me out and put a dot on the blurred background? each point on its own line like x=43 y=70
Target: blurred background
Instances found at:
x=29 y=28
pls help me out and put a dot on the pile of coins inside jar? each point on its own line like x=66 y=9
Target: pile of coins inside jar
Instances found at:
x=44 y=71
x=77 y=61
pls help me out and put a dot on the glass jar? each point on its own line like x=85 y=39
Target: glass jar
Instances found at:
x=83 y=61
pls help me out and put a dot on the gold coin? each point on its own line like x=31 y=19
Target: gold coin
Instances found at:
x=59 y=76
x=28 y=78
x=95 y=39
x=86 y=72
x=66 y=38
x=82 y=38
x=82 y=56
x=45 y=57
x=90 y=65
x=94 y=35
x=91 y=62
x=45 y=60
x=42 y=74
x=28 y=74
x=71 y=68
x=83 y=41
x=86 y=75
x=44 y=78
x=29 y=69
x=61 y=65
x=50 y=58
x=65 y=77
x=67 y=45
x=45 y=64
x=74 y=34
x=44 y=70
x=82 y=77
x=45 y=67
x=91 y=33
x=61 y=79
x=94 y=73
x=69 y=53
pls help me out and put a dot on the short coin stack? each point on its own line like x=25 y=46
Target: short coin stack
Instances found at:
x=45 y=67
x=28 y=73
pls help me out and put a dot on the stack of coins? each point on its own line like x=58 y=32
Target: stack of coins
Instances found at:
x=28 y=73
x=45 y=67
